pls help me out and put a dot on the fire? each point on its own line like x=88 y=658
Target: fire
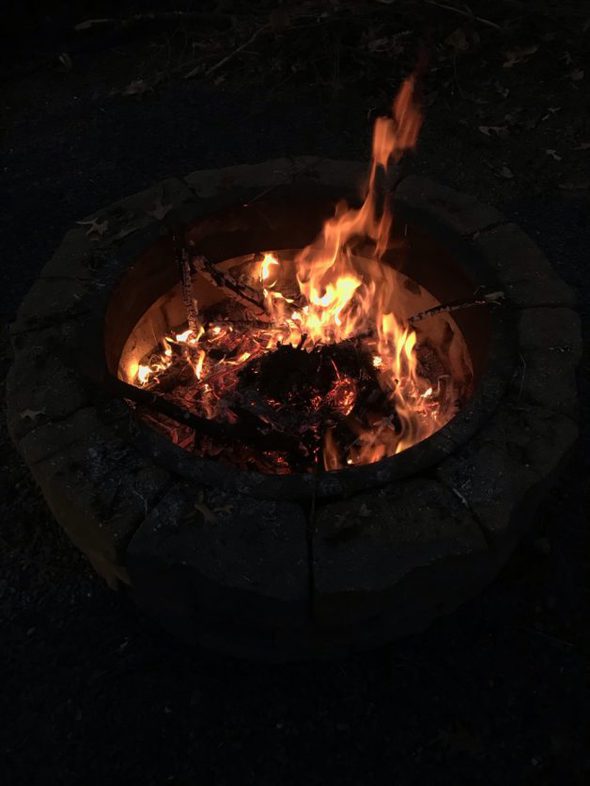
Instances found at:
x=334 y=300
x=266 y=267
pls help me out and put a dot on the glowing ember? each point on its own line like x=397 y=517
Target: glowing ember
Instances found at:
x=333 y=363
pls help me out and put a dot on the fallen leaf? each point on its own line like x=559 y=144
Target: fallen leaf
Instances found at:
x=583 y=146
x=31 y=414
x=457 y=40
x=520 y=55
x=378 y=45
x=500 y=131
x=159 y=210
x=95 y=226
x=201 y=507
x=503 y=91
x=553 y=154
x=135 y=88
x=577 y=75
x=506 y=173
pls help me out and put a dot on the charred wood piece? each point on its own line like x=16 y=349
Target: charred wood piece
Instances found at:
x=253 y=431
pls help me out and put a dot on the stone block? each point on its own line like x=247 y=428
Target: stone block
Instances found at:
x=99 y=489
x=225 y=558
x=547 y=378
x=51 y=301
x=367 y=548
x=524 y=271
x=458 y=212
x=551 y=329
x=42 y=384
x=207 y=183
x=51 y=438
x=502 y=473
x=136 y=212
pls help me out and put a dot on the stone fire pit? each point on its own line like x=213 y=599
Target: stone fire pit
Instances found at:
x=258 y=565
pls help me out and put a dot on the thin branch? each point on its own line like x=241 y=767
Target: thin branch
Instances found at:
x=159 y=17
x=464 y=13
x=185 y=275
x=493 y=298
x=195 y=71
x=253 y=430
x=246 y=295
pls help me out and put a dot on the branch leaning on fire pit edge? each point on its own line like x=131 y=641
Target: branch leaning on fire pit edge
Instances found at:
x=491 y=299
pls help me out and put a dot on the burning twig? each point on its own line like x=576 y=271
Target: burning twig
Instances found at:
x=245 y=294
x=493 y=298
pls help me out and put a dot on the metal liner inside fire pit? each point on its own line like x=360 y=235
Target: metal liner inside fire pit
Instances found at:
x=292 y=566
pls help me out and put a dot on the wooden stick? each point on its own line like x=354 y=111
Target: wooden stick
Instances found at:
x=195 y=71
x=255 y=430
x=467 y=14
x=246 y=295
x=493 y=298
x=185 y=275
x=217 y=20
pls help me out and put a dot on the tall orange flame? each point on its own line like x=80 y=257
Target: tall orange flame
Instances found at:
x=341 y=298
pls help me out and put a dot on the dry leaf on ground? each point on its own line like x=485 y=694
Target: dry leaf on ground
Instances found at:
x=95 y=226
x=520 y=55
x=499 y=131
x=135 y=88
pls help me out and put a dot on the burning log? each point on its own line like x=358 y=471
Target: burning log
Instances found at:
x=247 y=430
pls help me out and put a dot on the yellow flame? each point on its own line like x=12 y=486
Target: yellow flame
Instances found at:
x=339 y=300
x=143 y=374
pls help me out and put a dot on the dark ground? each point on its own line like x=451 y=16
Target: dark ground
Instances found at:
x=497 y=692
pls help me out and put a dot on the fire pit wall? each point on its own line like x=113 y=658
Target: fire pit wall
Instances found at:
x=290 y=566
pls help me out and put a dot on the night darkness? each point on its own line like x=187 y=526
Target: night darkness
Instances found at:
x=100 y=100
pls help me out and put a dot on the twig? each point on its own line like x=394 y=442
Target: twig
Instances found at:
x=467 y=14
x=549 y=636
x=163 y=16
x=493 y=298
x=195 y=71
x=246 y=295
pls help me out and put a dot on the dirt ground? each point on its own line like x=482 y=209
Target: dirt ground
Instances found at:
x=90 y=692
